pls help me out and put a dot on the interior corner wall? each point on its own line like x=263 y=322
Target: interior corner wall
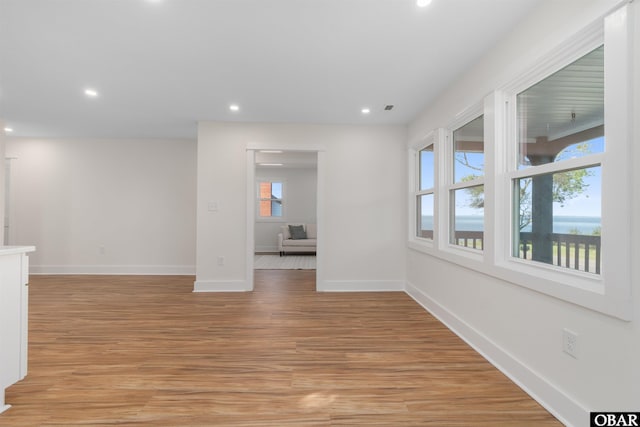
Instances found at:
x=362 y=228
x=633 y=329
x=104 y=206
x=3 y=147
x=520 y=330
x=300 y=196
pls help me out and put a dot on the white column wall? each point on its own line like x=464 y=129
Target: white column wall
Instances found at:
x=364 y=218
x=2 y=178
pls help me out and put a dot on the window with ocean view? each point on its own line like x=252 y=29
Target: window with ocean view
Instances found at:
x=425 y=217
x=557 y=191
x=468 y=217
x=467 y=190
x=425 y=194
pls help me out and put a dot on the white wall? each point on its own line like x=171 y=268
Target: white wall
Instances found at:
x=363 y=218
x=519 y=329
x=2 y=180
x=300 y=186
x=104 y=206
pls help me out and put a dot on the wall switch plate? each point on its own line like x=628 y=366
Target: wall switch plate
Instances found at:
x=570 y=343
x=220 y=260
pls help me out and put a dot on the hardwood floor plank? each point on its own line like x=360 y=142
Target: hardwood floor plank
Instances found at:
x=146 y=350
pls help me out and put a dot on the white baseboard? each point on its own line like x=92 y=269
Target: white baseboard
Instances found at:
x=221 y=286
x=273 y=248
x=3 y=406
x=361 y=286
x=150 y=270
x=560 y=405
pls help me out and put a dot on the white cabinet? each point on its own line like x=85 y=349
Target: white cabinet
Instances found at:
x=14 y=315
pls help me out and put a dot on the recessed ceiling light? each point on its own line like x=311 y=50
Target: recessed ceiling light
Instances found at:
x=365 y=111
x=270 y=164
x=423 y=3
x=272 y=151
x=234 y=107
x=91 y=93
x=8 y=130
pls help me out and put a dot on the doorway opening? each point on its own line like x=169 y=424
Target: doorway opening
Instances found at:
x=283 y=210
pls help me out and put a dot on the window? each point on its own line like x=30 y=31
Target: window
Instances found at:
x=557 y=196
x=425 y=193
x=466 y=195
x=270 y=199
x=546 y=204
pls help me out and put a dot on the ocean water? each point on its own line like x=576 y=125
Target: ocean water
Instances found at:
x=561 y=224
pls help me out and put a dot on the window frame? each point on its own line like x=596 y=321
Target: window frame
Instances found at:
x=418 y=192
x=433 y=138
x=470 y=114
x=608 y=293
x=260 y=218
x=572 y=285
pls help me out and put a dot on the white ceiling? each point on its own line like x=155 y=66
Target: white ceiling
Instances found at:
x=569 y=101
x=162 y=66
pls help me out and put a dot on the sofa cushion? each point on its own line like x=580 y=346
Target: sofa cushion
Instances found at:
x=297 y=232
x=285 y=230
x=312 y=232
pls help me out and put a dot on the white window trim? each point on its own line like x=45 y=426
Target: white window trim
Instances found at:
x=608 y=293
x=257 y=203
x=414 y=184
x=435 y=139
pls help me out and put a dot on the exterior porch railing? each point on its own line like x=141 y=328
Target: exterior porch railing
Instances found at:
x=468 y=239
x=574 y=251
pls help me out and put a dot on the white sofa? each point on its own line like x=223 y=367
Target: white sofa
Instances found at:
x=287 y=244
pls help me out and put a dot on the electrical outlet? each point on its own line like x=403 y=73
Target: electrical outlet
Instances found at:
x=570 y=343
x=220 y=260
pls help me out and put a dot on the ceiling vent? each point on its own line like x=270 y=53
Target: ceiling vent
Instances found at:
x=388 y=107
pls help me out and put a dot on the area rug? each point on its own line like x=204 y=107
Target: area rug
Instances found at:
x=287 y=262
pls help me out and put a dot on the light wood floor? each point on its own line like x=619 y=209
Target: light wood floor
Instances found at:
x=147 y=351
